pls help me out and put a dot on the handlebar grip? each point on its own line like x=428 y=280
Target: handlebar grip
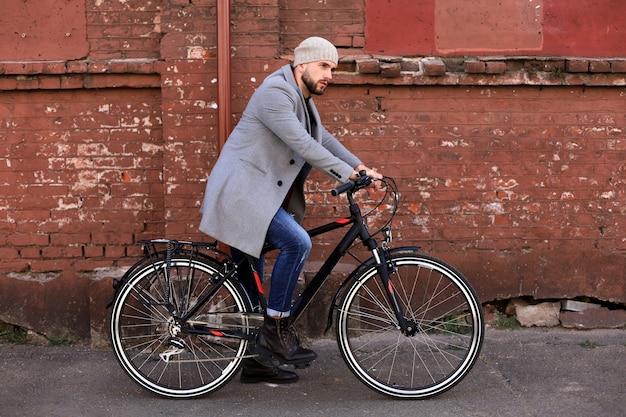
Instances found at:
x=342 y=188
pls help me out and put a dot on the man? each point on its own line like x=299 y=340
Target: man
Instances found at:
x=255 y=193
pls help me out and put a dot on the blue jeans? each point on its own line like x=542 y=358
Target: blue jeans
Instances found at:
x=294 y=245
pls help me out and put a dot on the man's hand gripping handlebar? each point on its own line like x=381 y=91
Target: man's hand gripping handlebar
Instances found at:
x=362 y=181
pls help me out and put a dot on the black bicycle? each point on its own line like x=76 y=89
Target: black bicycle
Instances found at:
x=407 y=325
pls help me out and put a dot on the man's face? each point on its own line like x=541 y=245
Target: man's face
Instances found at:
x=316 y=76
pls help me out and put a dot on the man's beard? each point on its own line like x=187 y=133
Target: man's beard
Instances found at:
x=311 y=85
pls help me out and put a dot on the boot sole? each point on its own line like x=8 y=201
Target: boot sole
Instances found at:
x=256 y=380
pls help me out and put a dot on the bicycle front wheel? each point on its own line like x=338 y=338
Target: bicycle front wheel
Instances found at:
x=442 y=305
x=166 y=356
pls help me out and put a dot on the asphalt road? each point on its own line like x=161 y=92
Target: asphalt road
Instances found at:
x=528 y=372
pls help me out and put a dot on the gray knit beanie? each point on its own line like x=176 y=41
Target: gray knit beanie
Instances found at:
x=315 y=49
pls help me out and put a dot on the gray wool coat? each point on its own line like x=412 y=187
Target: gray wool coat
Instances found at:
x=273 y=147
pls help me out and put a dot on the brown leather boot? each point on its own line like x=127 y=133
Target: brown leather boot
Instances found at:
x=279 y=339
x=254 y=372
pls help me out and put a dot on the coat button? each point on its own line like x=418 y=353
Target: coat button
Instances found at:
x=292 y=162
x=280 y=183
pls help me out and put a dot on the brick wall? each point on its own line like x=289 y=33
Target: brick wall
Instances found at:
x=510 y=168
x=81 y=176
x=124 y=29
x=512 y=184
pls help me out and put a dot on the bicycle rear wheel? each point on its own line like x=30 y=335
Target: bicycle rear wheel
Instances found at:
x=448 y=317
x=166 y=356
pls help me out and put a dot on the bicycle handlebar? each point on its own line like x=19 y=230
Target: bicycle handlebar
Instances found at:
x=353 y=185
x=342 y=188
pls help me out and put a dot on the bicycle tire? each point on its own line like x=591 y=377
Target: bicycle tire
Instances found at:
x=449 y=319
x=150 y=346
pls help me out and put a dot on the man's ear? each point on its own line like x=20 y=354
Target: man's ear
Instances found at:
x=300 y=68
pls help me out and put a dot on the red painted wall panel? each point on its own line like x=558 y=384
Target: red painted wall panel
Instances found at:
x=585 y=28
x=42 y=30
x=487 y=27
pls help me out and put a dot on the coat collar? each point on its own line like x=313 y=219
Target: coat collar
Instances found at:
x=287 y=71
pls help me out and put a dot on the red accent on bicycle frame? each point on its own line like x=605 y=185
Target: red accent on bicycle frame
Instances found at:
x=216 y=333
x=345 y=220
x=259 y=284
x=390 y=287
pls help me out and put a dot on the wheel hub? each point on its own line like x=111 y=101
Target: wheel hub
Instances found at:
x=411 y=328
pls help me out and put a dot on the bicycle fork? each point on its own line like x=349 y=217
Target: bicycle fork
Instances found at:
x=385 y=268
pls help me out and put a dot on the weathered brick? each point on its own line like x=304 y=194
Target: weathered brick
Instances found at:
x=78 y=67
x=8 y=253
x=599 y=66
x=93 y=251
x=368 y=66
x=15 y=68
x=495 y=67
x=30 y=253
x=618 y=66
x=98 y=67
x=47 y=265
x=343 y=41
x=27 y=83
x=410 y=65
x=144 y=67
x=49 y=82
x=390 y=70
x=474 y=67
x=20 y=240
x=117 y=67
x=8 y=83
x=54 y=67
x=577 y=65
x=434 y=67
x=71 y=82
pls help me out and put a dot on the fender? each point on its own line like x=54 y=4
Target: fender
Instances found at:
x=156 y=256
x=365 y=265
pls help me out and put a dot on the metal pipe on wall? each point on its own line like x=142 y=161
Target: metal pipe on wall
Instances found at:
x=223 y=80
x=223 y=73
